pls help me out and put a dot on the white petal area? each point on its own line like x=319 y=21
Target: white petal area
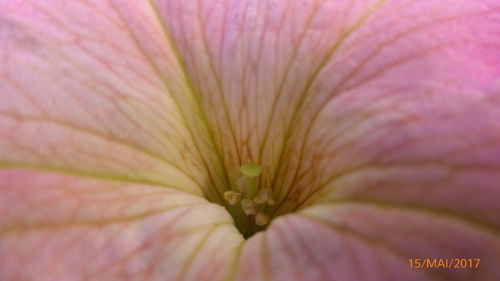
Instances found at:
x=60 y=227
x=365 y=242
x=79 y=93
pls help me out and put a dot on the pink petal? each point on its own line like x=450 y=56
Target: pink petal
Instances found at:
x=56 y=227
x=350 y=99
x=80 y=94
x=391 y=103
x=370 y=242
x=384 y=111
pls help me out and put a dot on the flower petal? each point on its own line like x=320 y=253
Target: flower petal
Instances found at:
x=253 y=61
x=81 y=92
x=318 y=90
x=61 y=227
x=390 y=106
x=416 y=122
x=370 y=242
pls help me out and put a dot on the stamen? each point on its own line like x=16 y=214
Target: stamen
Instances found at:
x=248 y=206
x=261 y=219
x=250 y=197
x=262 y=196
x=232 y=197
x=241 y=185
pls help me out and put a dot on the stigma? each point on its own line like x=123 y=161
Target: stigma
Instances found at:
x=248 y=196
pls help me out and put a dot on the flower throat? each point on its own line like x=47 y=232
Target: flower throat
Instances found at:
x=249 y=202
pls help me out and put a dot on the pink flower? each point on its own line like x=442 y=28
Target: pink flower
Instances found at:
x=375 y=126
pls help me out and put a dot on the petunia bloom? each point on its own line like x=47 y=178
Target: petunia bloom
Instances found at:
x=370 y=128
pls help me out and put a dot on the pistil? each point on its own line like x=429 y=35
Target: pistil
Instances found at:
x=250 y=173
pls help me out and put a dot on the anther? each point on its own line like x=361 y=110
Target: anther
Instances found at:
x=261 y=219
x=232 y=197
x=262 y=196
x=248 y=206
x=241 y=185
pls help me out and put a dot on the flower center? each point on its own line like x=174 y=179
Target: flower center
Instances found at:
x=249 y=201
